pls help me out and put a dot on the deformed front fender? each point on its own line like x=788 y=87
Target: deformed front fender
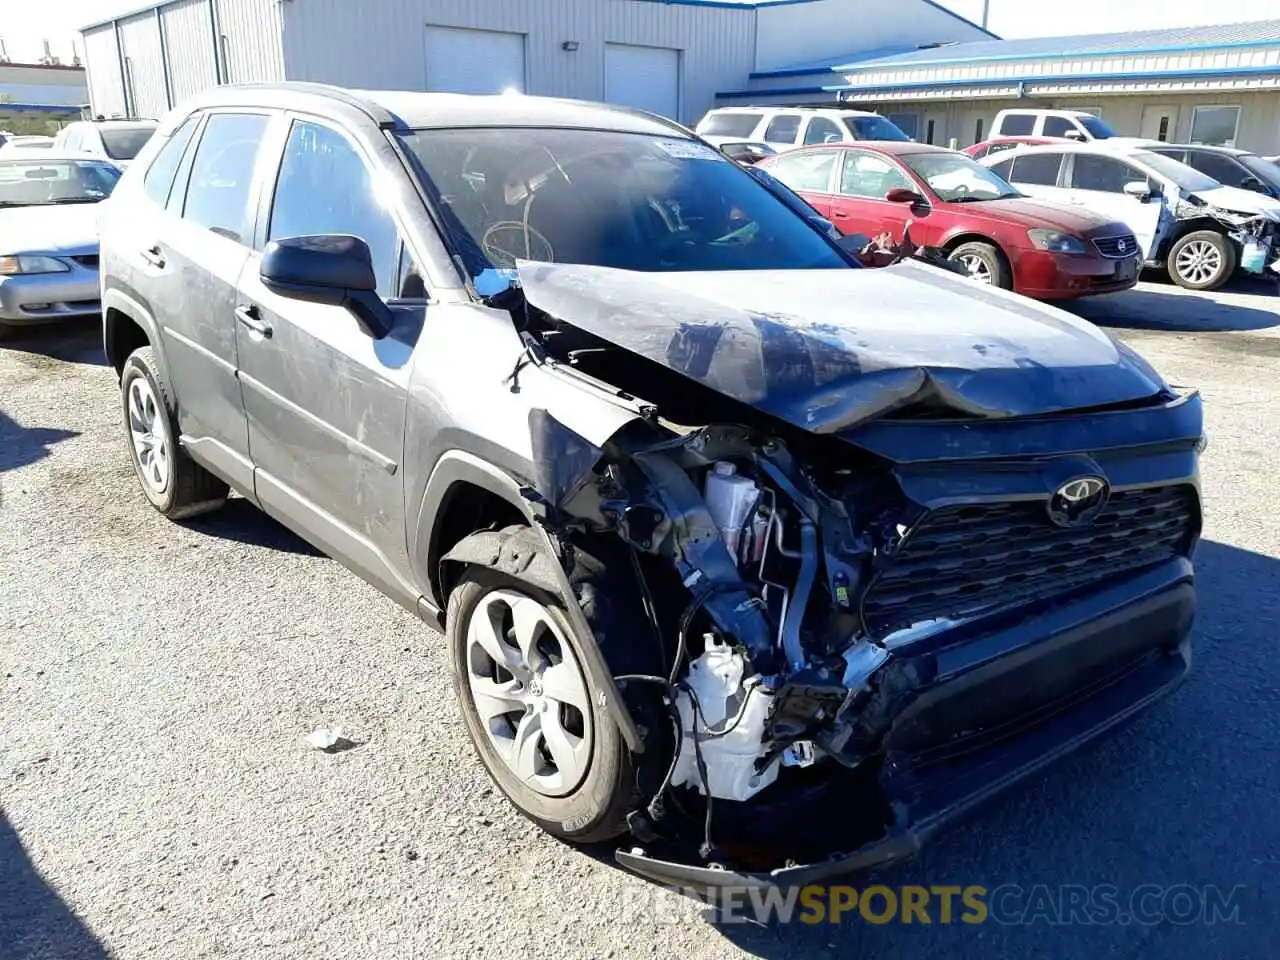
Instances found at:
x=528 y=554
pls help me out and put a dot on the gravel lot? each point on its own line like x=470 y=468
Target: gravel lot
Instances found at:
x=157 y=797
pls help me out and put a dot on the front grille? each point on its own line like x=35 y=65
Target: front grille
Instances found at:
x=1117 y=248
x=963 y=560
x=89 y=260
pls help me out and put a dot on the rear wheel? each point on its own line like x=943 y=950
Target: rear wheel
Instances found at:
x=985 y=263
x=175 y=484
x=1203 y=260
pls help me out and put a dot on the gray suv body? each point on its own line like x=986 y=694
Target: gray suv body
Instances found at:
x=774 y=562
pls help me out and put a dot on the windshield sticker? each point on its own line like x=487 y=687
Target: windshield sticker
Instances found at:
x=688 y=150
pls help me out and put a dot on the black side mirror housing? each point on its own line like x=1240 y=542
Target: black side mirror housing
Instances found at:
x=336 y=270
x=1254 y=184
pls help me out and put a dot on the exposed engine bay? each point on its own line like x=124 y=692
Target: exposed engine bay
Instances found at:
x=786 y=573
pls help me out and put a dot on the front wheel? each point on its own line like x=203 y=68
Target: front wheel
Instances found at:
x=985 y=263
x=1203 y=260
x=530 y=709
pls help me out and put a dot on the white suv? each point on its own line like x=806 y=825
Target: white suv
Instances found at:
x=786 y=127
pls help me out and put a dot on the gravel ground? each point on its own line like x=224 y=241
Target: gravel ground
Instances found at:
x=157 y=797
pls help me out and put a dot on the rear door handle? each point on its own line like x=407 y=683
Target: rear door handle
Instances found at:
x=154 y=257
x=248 y=315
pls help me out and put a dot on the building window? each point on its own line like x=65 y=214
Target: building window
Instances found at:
x=908 y=123
x=1215 y=126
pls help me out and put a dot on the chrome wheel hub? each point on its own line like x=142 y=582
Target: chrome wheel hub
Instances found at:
x=977 y=267
x=529 y=692
x=149 y=431
x=1198 y=262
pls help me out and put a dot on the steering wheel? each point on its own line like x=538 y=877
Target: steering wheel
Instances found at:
x=961 y=190
x=509 y=240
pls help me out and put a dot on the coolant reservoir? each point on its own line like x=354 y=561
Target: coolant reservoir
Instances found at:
x=730 y=500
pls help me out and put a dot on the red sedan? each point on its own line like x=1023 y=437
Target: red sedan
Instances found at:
x=1044 y=250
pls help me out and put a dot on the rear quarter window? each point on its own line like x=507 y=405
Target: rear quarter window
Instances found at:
x=729 y=125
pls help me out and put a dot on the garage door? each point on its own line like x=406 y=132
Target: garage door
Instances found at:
x=474 y=61
x=647 y=78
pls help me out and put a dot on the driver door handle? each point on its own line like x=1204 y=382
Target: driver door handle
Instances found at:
x=154 y=257
x=248 y=315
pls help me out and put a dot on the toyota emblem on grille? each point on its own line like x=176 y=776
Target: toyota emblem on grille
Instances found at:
x=1078 y=502
x=1123 y=245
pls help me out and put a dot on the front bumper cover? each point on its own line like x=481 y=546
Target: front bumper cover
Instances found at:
x=1148 y=618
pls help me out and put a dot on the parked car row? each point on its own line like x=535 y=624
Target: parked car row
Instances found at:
x=1064 y=207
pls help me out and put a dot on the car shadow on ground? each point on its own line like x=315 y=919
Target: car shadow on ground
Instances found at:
x=78 y=341
x=34 y=921
x=20 y=446
x=1181 y=799
x=1150 y=307
x=242 y=522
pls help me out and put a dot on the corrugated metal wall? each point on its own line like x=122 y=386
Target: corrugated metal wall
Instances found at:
x=144 y=65
x=380 y=43
x=102 y=59
x=188 y=38
x=251 y=40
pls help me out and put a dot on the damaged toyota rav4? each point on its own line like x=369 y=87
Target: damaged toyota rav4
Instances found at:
x=765 y=564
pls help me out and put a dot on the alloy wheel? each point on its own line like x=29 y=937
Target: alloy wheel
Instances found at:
x=149 y=431
x=529 y=692
x=1198 y=262
x=977 y=267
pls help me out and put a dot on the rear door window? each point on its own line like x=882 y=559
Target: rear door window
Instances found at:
x=806 y=171
x=730 y=125
x=1017 y=125
x=164 y=168
x=221 y=180
x=1058 y=127
x=784 y=128
x=1040 y=169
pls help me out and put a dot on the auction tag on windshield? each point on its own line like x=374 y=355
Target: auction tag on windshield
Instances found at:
x=688 y=150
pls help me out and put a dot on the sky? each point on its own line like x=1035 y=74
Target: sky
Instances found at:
x=24 y=24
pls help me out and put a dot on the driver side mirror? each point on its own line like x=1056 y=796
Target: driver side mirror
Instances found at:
x=336 y=270
x=1139 y=190
x=1075 y=135
x=903 y=195
x=1254 y=184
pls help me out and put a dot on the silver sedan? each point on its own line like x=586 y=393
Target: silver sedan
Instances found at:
x=49 y=236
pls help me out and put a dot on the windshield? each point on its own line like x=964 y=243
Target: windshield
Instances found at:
x=125 y=143
x=874 y=128
x=956 y=178
x=1185 y=177
x=602 y=198
x=35 y=183
x=1264 y=170
x=1098 y=129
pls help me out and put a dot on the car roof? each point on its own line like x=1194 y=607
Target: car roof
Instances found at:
x=410 y=110
x=894 y=148
x=783 y=108
x=124 y=124
x=1049 y=111
x=1203 y=147
x=1072 y=146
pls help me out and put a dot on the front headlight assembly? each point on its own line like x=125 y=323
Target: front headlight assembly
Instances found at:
x=18 y=264
x=1055 y=241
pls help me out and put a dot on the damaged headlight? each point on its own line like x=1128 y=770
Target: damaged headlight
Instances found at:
x=1055 y=241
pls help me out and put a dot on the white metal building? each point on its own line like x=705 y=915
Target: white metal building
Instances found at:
x=1218 y=84
x=667 y=56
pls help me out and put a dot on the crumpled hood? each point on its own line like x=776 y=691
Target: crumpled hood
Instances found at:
x=1241 y=201
x=72 y=228
x=826 y=350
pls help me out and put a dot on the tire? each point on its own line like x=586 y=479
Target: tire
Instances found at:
x=984 y=262
x=174 y=484
x=1202 y=260
x=586 y=808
